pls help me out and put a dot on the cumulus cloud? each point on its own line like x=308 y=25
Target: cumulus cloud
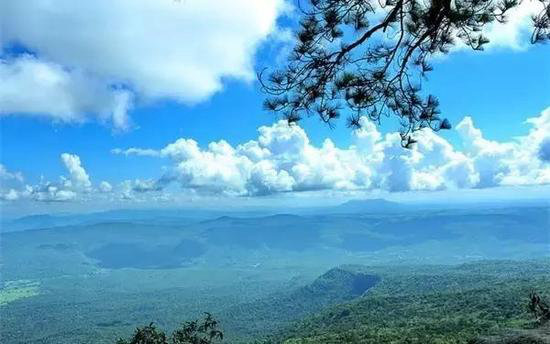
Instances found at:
x=67 y=188
x=78 y=177
x=76 y=185
x=143 y=49
x=282 y=159
x=49 y=192
x=105 y=187
x=516 y=31
x=10 y=182
x=9 y=176
x=135 y=151
x=34 y=87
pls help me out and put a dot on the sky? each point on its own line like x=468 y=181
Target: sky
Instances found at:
x=155 y=104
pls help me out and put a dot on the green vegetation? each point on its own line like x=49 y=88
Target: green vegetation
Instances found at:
x=408 y=304
x=204 y=331
x=435 y=318
x=430 y=305
x=280 y=310
x=441 y=309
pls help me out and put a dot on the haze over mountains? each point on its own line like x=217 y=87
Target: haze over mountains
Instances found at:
x=183 y=215
x=260 y=271
x=379 y=228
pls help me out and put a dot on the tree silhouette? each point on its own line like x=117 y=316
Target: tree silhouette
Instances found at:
x=205 y=331
x=193 y=332
x=371 y=56
x=146 y=335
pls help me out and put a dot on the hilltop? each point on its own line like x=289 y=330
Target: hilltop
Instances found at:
x=279 y=310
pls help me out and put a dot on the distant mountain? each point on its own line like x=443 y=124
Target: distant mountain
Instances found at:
x=377 y=205
x=42 y=221
x=153 y=216
x=283 y=231
x=39 y=221
x=32 y=220
x=411 y=236
x=270 y=219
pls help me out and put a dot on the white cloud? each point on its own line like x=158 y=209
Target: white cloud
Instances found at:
x=516 y=31
x=135 y=151
x=10 y=182
x=156 y=48
x=509 y=163
x=282 y=159
x=50 y=192
x=77 y=186
x=79 y=179
x=490 y=158
x=66 y=189
x=34 y=87
x=8 y=176
x=105 y=186
x=10 y=195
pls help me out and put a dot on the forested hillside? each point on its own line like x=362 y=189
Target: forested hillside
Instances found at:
x=456 y=306
x=482 y=303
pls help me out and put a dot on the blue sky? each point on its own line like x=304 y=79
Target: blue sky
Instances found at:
x=499 y=88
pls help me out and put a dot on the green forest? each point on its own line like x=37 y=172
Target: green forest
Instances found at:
x=475 y=303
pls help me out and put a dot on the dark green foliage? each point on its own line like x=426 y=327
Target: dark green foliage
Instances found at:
x=342 y=60
x=280 y=310
x=205 y=331
x=432 y=308
x=146 y=335
x=195 y=332
x=541 y=23
x=467 y=304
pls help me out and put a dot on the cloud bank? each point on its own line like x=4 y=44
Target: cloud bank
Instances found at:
x=92 y=59
x=282 y=159
x=76 y=185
